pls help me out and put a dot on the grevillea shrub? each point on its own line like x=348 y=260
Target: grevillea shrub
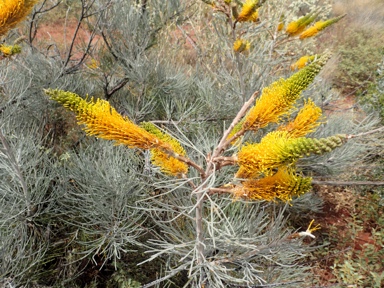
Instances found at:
x=181 y=173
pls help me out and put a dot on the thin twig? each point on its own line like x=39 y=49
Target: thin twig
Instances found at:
x=347 y=183
x=33 y=23
x=153 y=283
x=219 y=190
x=366 y=133
x=281 y=284
x=186 y=160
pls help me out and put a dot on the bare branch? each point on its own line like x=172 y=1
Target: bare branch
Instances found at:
x=366 y=133
x=224 y=142
x=347 y=183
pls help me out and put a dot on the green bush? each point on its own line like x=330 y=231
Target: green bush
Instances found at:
x=359 y=54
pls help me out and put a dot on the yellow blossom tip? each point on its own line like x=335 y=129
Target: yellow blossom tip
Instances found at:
x=241 y=45
x=303 y=61
x=7 y=51
x=278 y=149
x=249 y=11
x=296 y=27
x=160 y=156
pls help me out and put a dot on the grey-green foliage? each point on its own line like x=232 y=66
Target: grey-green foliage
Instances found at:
x=26 y=203
x=96 y=192
x=244 y=242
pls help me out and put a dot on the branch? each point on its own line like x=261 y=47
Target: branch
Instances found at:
x=224 y=161
x=366 y=133
x=347 y=183
x=281 y=284
x=117 y=87
x=174 y=272
x=33 y=24
x=224 y=142
x=220 y=191
x=186 y=160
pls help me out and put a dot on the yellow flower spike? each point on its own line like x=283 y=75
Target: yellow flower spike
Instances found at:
x=262 y=157
x=241 y=45
x=298 y=26
x=303 y=61
x=168 y=164
x=249 y=11
x=8 y=51
x=93 y=64
x=13 y=12
x=309 y=230
x=254 y=16
x=103 y=121
x=283 y=185
x=280 y=26
x=279 y=98
x=279 y=149
x=318 y=26
x=305 y=122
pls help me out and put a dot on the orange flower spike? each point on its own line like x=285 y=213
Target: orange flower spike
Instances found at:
x=303 y=61
x=318 y=26
x=279 y=149
x=277 y=99
x=13 y=12
x=159 y=157
x=280 y=26
x=283 y=185
x=241 y=45
x=103 y=121
x=298 y=26
x=305 y=122
x=249 y=11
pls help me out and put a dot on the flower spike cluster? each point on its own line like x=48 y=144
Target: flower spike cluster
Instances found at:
x=279 y=98
x=13 y=12
x=159 y=157
x=278 y=149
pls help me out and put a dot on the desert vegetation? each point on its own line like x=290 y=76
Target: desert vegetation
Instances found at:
x=151 y=143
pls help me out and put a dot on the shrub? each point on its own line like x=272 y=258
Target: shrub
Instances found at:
x=359 y=54
x=166 y=196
